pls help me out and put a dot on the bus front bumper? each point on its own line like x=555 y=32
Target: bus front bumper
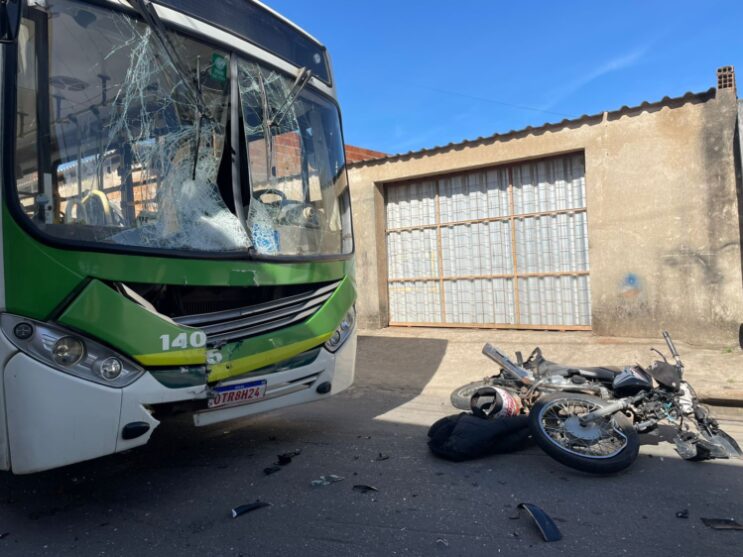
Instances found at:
x=54 y=419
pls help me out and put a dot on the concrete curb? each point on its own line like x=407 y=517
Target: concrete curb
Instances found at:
x=717 y=397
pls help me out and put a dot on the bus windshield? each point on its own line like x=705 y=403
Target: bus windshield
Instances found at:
x=114 y=148
x=296 y=163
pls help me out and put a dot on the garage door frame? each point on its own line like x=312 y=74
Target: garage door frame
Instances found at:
x=438 y=225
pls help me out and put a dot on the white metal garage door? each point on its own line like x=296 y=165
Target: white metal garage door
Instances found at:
x=500 y=247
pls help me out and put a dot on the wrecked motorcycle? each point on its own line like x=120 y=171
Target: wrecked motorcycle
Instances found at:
x=590 y=418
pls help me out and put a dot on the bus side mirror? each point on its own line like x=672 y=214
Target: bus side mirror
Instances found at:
x=10 y=20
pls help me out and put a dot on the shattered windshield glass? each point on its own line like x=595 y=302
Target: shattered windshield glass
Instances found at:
x=126 y=157
x=299 y=193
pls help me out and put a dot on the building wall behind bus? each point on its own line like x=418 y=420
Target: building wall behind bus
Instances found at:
x=662 y=206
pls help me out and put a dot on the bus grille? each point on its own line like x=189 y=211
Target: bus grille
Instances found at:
x=248 y=321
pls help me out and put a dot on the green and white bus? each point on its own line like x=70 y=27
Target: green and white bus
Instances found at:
x=176 y=222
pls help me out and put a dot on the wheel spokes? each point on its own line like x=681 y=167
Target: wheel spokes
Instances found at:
x=553 y=422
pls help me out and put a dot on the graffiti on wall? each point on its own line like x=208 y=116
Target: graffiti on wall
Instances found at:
x=631 y=286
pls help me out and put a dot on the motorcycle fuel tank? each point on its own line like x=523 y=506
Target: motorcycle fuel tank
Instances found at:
x=630 y=381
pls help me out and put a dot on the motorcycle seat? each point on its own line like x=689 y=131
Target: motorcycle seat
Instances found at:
x=602 y=373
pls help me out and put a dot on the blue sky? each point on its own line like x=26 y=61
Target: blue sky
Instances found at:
x=414 y=73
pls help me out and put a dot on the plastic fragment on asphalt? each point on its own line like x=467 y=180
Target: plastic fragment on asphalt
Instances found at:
x=362 y=488
x=242 y=509
x=683 y=513
x=271 y=470
x=4 y=535
x=722 y=524
x=327 y=480
x=382 y=456
x=443 y=542
x=549 y=530
x=286 y=458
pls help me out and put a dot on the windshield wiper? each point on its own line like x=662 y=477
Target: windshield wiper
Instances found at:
x=147 y=12
x=145 y=9
x=266 y=117
x=270 y=120
x=303 y=78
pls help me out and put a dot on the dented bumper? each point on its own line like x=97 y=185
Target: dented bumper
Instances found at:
x=55 y=419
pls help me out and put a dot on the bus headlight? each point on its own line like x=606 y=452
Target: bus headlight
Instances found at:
x=69 y=352
x=343 y=331
x=110 y=368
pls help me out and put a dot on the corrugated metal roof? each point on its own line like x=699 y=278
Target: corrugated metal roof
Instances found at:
x=646 y=106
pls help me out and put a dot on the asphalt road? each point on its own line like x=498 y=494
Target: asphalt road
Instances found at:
x=174 y=496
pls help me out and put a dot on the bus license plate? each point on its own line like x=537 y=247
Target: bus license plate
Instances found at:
x=239 y=393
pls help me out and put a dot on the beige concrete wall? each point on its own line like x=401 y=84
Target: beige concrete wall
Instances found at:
x=663 y=222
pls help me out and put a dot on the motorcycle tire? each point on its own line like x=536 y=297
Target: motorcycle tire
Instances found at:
x=460 y=397
x=621 y=427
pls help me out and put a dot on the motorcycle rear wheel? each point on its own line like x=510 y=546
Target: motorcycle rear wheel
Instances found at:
x=606 y=446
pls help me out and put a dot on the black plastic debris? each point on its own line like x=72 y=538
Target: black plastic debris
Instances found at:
x=4 y=535
x=549 y=530
x=683 y=513
x=722 y=524
x=242 y=509
x=271 y=470
x=285 y=458
x=363 y=488
x=36 y=515
x=382 y=456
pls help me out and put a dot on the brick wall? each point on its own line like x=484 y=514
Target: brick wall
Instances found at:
x=358 y=154
x=287 y=156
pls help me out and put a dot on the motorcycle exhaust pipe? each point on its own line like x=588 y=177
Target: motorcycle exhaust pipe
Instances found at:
x=609 y=409
x=516 y=372
x=572 y=389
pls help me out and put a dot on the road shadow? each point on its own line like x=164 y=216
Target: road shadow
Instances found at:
x=404 y=364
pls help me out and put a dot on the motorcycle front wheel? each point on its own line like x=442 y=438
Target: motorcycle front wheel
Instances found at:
x=605 y=446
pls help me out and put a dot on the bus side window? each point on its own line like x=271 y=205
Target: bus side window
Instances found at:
x=27 y=177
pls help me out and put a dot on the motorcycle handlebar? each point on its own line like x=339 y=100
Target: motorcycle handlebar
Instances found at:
x=672 y=347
